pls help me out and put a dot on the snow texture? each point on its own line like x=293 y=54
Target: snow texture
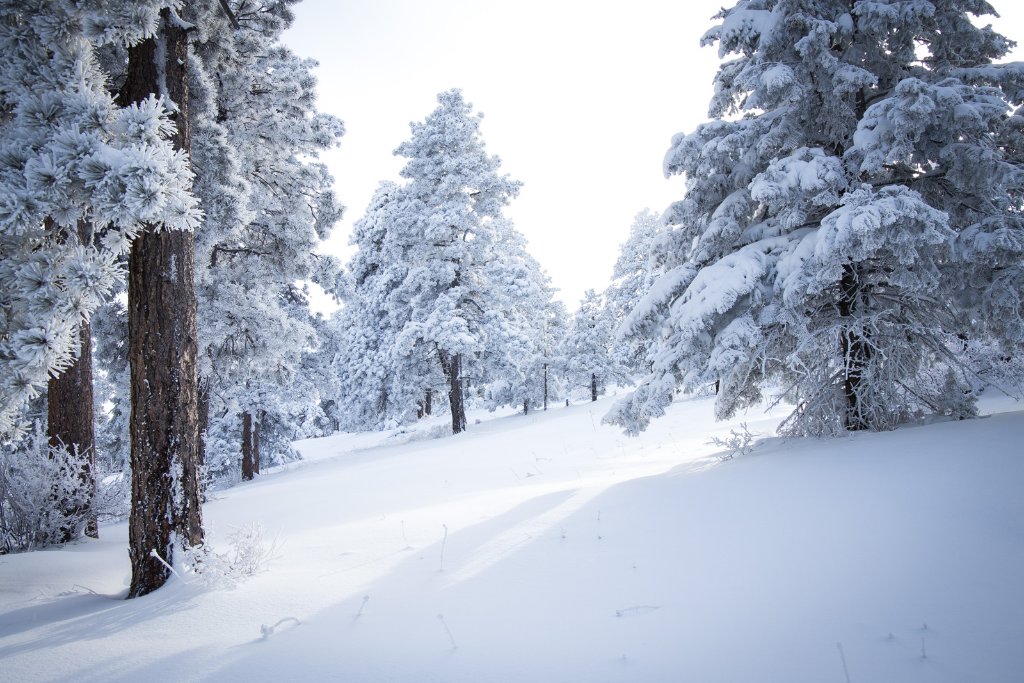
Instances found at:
x=572 y=553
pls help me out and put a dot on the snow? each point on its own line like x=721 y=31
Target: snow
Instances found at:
x=552 y=548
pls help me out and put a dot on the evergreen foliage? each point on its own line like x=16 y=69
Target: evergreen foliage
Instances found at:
x=631 y=277
x=588 y=361
x=443 y=295
x=70 y=154
x=852 y=221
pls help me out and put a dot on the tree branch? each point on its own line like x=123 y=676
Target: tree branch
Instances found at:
x=230 y=15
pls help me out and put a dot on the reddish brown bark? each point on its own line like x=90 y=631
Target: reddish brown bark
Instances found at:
x=162 y=348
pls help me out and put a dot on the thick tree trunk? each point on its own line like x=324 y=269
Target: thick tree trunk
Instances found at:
x=855 y=348
x=247 y=467
x=70 y=424
x=452 y=366
x=165 y=509
x=593 y=387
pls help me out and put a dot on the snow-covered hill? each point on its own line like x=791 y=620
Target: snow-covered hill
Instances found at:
x=552 y=548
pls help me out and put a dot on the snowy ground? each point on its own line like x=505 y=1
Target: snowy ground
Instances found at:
x=552 y=548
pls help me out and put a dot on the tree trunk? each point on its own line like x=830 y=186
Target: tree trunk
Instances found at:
x=526 y=406
x=428 y=400
x=256 y=441
x=165 y=508
x=545 y=386
x=856 y=350
x=247 y=467
x=204 y=419
x=452 y=366
x=70 y=424
x=593 y=387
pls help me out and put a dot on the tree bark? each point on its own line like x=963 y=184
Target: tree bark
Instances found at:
x=256 y=441
x=428 y=400
x=204 y=419
x=545 y=386
x=593 y=386
x=165 y=509
x=69 y=423
x=452 y=366
x=856 y=350
x=247 y=467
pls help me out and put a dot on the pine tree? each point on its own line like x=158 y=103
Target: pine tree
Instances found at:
x=853 y=214
x=631 y=277
x=371 y=319
x=166 y=509
x=587 y=348
x=554 y=328
x=512 y=365
x=445 y=233
x=268 y=206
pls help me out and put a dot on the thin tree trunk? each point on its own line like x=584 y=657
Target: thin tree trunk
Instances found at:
x=247 y=467
x=165 y=508
x=545 y=386
x=593 y=387
x=855 y=348
x=256 y=441
x=204 y=419
x=70 y=424
x=428 y=400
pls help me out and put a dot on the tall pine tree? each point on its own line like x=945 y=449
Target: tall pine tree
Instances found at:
x=441 y=283
x=166 y=511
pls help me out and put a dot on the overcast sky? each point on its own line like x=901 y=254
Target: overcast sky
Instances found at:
x=580 y=100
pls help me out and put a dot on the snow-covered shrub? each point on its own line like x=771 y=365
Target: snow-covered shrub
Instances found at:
x=249 y=553
x=739 y=442
x=43 y=500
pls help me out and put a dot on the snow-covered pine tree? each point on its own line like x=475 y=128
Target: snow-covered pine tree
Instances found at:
x=370 y=393
x=631 y=278
x=512 y=365
x=68 y=153
x=448 y=234
x=852 y=215
x=268 y=207
x=587 y=348
x=551 y=363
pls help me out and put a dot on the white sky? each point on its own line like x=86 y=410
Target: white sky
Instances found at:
x=581 y=99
